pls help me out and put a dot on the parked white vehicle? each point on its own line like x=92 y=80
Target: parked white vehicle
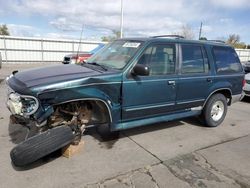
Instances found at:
x=246 y=87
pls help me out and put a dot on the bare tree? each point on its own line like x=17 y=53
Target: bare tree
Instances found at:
x=4 y=30
x=115 y=35
x=233 y=39
x=186 y=31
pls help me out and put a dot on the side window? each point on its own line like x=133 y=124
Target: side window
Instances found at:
x=194 y=59
x=160 y=59
x=226 y=60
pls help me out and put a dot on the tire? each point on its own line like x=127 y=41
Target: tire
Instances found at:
x=105 y=133
x=215 y=110
x=41 y=145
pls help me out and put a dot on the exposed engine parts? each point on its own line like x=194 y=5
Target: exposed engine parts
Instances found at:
x=76 y=115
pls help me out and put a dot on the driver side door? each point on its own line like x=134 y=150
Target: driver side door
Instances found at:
x=154 y=94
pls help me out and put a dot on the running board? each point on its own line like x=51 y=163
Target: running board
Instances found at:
x=41 y=145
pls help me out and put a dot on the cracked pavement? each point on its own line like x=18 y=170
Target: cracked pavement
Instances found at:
x=173 y=154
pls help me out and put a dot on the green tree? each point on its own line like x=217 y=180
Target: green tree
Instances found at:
x=203 y=38
x=4 y=30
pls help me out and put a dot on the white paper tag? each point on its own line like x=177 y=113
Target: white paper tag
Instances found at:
x=131 y=45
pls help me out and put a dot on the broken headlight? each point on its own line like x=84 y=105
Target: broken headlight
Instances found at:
x=22 y=105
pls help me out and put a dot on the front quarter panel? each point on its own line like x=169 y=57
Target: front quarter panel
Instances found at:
x=104 y=89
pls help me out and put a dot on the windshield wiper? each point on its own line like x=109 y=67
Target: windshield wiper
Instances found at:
x=99 y=65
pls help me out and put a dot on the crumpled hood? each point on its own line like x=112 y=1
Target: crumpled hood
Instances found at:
x=49 y=75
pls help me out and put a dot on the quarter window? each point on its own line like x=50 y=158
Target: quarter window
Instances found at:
x=226 y=60
x=160 y=59
x=194 y=59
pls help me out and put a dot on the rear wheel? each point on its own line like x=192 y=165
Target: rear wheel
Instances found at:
x=215 y=110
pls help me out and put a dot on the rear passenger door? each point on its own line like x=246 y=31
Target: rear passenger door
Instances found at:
x=194 y=76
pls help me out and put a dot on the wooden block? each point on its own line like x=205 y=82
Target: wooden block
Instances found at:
x=69 y=151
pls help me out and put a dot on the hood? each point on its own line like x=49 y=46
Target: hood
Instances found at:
x=49 y=75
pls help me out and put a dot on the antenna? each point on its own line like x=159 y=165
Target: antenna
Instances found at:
x=79 y=43
x=200 y=32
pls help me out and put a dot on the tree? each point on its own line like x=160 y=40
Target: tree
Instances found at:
x=115 y=35
x=4 y=30
x=203 y=38
x=233 y=39
x=186 y=31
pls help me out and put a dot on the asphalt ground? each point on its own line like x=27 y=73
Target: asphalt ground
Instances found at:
x=172 y=154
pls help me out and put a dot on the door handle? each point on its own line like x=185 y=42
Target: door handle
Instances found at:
x=209 y=80
x=171 y=82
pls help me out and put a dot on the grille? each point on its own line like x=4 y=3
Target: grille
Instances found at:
x=247 y=92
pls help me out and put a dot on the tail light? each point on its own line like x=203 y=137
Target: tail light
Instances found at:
x=243 y=82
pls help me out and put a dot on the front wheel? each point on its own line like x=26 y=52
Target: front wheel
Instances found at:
x=215 y=110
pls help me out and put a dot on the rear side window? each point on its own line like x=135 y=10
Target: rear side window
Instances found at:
x=226 y=60
x=194 y=59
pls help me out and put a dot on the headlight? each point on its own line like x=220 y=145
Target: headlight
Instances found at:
x=30 y=105
x=22 y=105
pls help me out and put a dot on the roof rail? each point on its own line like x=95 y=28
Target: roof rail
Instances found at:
x=169 y=36
x=220 y=41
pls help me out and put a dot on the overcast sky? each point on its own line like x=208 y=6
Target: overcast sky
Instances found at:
x=64 y=18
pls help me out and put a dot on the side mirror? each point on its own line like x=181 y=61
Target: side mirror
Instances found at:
x=140 y=70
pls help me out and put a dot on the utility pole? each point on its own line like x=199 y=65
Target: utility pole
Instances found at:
x=200 y=31
x=121 y=20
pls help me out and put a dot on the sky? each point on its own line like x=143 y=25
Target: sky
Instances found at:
x=65 y=18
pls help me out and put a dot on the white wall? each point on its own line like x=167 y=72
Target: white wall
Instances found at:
x=244 y=54
x=34 y=50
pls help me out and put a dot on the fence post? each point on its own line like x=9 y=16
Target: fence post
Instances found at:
x=42 y=51
x=5 y=49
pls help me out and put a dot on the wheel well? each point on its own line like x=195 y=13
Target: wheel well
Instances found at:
x=100 y=112
x=226 y=92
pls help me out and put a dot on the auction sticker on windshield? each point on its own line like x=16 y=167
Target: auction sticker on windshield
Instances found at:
x=131 y=44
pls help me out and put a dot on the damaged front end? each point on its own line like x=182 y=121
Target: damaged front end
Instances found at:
x=57 y=106
x=65 y=125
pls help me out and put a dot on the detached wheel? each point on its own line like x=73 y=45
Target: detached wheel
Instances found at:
x=215 y=110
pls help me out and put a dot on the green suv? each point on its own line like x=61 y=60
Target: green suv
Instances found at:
x=131 y=82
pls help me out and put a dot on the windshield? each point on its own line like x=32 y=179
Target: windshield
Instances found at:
x=116 y=54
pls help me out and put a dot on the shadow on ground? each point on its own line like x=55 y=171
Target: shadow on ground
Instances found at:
x=18 y=133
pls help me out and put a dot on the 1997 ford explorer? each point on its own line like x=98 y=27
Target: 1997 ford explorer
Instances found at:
x=131 y=82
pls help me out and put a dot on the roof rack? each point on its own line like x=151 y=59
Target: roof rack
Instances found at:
x=169 y=36
x=220 y=41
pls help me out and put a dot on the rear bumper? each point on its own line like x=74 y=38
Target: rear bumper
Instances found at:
x=246 y=90
x=246 y=93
